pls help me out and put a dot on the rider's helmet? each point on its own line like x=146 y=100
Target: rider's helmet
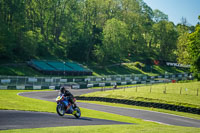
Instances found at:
x=62 y=89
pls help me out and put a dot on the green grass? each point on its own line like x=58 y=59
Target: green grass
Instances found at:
x=144 y=128
x=18 y=70
x=10 y=100
x=130 y=68
x=154 y=93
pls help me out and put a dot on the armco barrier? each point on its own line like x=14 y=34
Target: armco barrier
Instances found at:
x=28 y=87
x=18 y=82
x=144 y=104
x=79 y=86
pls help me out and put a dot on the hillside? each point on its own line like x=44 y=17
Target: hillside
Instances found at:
x=22 y=69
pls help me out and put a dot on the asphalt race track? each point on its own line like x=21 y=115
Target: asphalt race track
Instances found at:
x=24 y=119
x=163 y=118
x=51 y=95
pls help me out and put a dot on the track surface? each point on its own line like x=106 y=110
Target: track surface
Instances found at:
x=146 y=115
x=24 y=119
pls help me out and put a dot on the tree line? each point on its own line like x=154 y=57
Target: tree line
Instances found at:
x=89 y=30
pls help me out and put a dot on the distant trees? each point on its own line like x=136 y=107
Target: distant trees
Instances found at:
x=115 y=41
x=188 y=50
x=166 y=39
x=90 y=30
x=159 y=16
x=182 y=44
x=194 y=50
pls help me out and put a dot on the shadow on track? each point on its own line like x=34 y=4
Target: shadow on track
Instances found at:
x=11 y=119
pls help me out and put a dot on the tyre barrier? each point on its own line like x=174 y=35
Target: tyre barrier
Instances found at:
x=143 y=104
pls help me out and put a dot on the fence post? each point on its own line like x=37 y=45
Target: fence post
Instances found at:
x=165 y=90
x=150 y=88
x=136 y=88
x=42 y=82
x=17 y=81
x=25 y=80
x=180 y=90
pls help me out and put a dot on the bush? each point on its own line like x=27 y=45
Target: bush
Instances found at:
x=139 y=64
x=197 y=76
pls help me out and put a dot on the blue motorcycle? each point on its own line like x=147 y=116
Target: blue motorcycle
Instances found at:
x=64 y=106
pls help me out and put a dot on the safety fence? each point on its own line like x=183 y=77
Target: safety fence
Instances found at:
x=19 y=82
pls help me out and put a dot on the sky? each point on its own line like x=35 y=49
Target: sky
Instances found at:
x=176 y=9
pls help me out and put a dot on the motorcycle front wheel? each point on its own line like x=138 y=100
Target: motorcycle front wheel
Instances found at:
x=60 y=109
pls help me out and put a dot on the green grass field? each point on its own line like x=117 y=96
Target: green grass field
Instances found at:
x=184 y=94
x=9 y=100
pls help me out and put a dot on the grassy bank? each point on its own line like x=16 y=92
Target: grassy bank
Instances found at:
x=22 y=69
x=131 y=68
x=184 y=94
x=18 y=70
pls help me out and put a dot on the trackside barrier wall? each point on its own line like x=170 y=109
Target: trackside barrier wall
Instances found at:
x=17 y=82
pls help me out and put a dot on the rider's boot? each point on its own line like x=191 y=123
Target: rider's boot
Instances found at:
x=74 y=112
x=74 y=106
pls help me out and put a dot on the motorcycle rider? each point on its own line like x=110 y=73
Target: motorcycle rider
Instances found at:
x=66 y=93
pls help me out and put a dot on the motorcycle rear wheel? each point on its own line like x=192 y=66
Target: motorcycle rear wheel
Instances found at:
x=78 y=112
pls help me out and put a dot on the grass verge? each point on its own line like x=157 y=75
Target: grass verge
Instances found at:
x=183 y=94
x=143 y=128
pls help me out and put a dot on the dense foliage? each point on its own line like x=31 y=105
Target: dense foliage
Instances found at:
x=189 y=48
x=194 y=50
x=88 y=30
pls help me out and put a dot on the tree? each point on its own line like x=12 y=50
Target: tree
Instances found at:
x=115 y=41
x=194 y=50
x=84 y=30
x=146 y=27
x=159 y=16
x=12 y=15
x=166 y=39
x=182 y=43
x=137 y=15
x=182 y=52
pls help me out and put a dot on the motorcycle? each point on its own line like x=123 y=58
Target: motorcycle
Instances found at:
x=64 y=106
